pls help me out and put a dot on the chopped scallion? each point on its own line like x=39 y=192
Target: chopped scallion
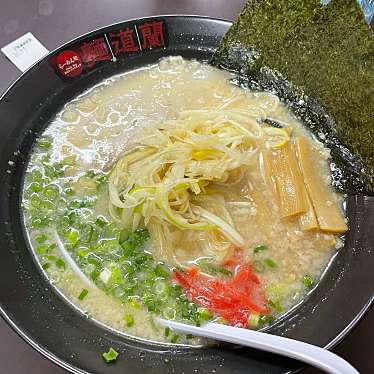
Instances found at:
x=123 y=236
x=266 y=320
x=275 y=305
x=41 y=238
x=73 y=236
x=270 y=263
x=213 y=269
x=174 y=338
x=83 y=294
x=260 y=248
x=129 y=319
x=42 y=249
x=51 y=192
x=69 y=191
x=135 y=304
x=45 y=142
x=204 y=314
x=36 y=201
x=308 y=281
x=60 y=263
x=110 y=356
x=35 y=187
x=253 y=320
x=101 y=221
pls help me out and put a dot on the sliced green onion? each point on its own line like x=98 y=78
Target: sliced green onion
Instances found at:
x=51 y=192
x=83 y=252
x=87 y=233
x=38 y=222
x=308 y=281
x=37 y=176
x=253 y=320
x=69 y=191
x=73 y=237
x=275 y=305
x=117 y=277
x=174 y=338
x=129 y=319
x=101 y=221
x=260 y=248
x=204 y=314
x=167 y=331
x=270 y=263
x=47 y=205
x=60 y=263
x=161 y=271
x=46 y=265
x=36 y=201
x=45 y=142
x=123 y=236
x=135 y=304
x=266 y=320
x=151 y=305
x=83 y=294
x=213 y=269
x=95 y=273
x=42 y=249
x=41 y=238
x=35 y=187
x=110 y=356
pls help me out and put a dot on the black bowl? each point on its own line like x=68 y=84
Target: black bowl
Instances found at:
x=35 y=309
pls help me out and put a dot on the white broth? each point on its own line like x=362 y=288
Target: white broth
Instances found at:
x=117 y=272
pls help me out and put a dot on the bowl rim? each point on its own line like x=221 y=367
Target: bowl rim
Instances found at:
x=3 y=313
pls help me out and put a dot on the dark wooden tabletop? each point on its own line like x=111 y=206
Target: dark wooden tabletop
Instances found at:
x=54 y=22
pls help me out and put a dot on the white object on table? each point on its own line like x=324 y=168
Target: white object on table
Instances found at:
x=25 y=51
x=318 y=357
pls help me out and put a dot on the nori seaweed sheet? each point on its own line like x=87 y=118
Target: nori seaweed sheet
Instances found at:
x=262 y=26
x=322 y=65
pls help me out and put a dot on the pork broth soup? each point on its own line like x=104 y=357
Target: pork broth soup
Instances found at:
x=168 y=191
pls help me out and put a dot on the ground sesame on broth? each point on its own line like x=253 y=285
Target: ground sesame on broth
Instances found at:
x=119 y=277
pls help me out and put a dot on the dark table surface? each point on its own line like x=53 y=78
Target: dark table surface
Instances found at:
x=54 y=22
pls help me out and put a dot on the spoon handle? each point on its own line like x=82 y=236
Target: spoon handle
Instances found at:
x=310 y=354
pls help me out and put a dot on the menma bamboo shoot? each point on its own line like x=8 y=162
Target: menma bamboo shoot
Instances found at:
x=329 y=215
x=289 y=182
x=308 y=221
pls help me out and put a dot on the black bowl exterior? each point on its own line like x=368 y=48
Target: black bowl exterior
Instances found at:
x=38 y=312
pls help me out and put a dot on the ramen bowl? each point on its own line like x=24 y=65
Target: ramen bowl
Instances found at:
x=43 y=317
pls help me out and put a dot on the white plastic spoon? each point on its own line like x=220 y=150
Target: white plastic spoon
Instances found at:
x=310 y=354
